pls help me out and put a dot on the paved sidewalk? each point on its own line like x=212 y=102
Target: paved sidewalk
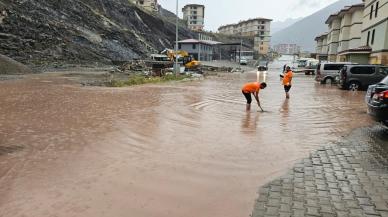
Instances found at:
x=345 y=179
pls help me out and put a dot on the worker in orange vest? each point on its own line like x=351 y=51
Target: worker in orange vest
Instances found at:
x=287 y=79
x=253 y=88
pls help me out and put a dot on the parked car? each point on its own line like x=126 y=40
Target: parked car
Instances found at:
x=311 y=65
x=356 y=77
x=243 y=61
x=326 y=72
x=262 y=68
x=377 y=101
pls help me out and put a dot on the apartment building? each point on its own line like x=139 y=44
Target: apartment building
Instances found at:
x=150 y=5
x=321 y=48
x=258 y=28
x=374 y=33
x=287 y=48
x=349 y=47
x=357 y=33
x=334 y=23
x=194 y=15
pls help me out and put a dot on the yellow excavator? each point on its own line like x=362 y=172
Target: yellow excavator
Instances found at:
x=188 y=61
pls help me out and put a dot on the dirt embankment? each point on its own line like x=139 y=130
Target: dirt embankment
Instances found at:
x=10 y=66
x=57 y=32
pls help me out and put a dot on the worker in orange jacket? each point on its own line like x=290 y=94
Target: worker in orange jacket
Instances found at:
x=252 y=88
x=287 y=81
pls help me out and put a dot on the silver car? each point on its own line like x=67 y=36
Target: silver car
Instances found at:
x=327 y=72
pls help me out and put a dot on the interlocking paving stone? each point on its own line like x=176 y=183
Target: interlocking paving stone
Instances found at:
x=347 y=179
x=313 y=211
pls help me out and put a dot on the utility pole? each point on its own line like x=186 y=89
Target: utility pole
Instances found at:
x=199 y=47
x=240 y=50
x=177 y=68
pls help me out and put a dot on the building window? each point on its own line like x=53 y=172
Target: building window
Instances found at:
x=367 y=39
x=371 y=12
x=179 y=46
x=373 y=37
x=377 y=9
x=194 y=46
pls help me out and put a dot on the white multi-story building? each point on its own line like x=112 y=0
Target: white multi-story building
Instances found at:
x=194 y=15
x=258 y=28
x=150 y=5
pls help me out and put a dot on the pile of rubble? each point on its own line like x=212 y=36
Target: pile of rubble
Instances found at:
x=216 y=69
x=134 y=66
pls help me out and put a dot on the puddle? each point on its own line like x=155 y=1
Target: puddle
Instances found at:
x=168 y=150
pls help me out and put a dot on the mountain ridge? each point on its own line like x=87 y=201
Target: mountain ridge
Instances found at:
x=277 y=26
x=315 y=24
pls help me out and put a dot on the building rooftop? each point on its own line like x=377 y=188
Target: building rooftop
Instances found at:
x=246 y=21
x=193 y=5
x=351 y=9
x=362 y=49
x=195 y=41
x=346 y=9
x=321 y=36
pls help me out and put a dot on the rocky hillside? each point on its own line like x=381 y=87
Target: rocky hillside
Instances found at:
x=43 y=32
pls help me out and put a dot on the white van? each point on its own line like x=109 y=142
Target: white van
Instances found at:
x=327 y=72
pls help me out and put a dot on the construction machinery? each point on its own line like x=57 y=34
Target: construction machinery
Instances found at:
x=183 y=57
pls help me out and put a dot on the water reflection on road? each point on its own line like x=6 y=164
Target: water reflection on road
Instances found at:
x=186 y=149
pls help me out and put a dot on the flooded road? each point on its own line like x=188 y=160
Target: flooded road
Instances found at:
x=169 y=150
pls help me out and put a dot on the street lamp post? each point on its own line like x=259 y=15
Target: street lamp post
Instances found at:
x=240 y=50
x=176 y=40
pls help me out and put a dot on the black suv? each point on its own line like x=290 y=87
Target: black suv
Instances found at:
x=356 y=77
x=377 y=100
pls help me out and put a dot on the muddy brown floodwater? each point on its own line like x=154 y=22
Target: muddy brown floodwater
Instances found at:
x=169 y=150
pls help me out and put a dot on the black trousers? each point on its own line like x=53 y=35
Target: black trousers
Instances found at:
x=248 y=97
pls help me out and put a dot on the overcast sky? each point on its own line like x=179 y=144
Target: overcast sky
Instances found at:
x=220 y=12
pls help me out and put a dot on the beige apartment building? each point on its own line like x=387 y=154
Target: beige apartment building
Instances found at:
x=321 y=48
x=258 y=28
x=349 y=47
x=375 y=30
x=334 y=23
x=357 y=33
x=150 y=5
x=194 y=15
